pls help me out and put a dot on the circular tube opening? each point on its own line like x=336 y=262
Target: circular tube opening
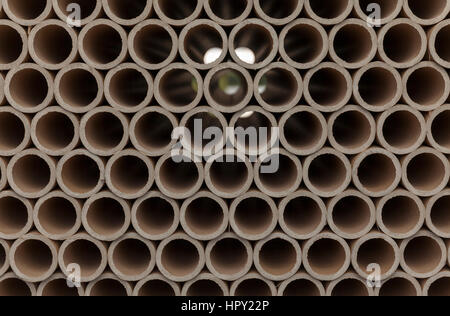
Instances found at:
x=204 y=216
x=33 y=258
x=440 y=287
x=24 y=10
x=426 y=172
x=399 y=287
x=176 y=12
x=279 y=11
x=155 y=217
x=13 y=286
x=28 y=88
x=15 y=39
x=76 y=182
x=438 y=130
x=55 y=131
x=12 y=131
x=104 y=131
x=277 y=257
x=426 y=86
x=130 y=11
x=228 y=12
x=57 y=215
x=253 y=287
x=326 y=257
x=402 y=43
x=329 y=13
x=402 y=129
x=442 y=50
x=253 y=44
x=151 y=131
x=156 y=287
x=108 y=287
x=14 y=216
x=229 y=257
x=373 y=250
x=302 y=287
x=350 y=287
x=153 y=44
x=180 y=266
x=388 y=9
x=58 y=287
x=424 y=255
x=88 y=9
x=105 y=216
x=102 y=44
x=79 y=89
x=427 y=11
x=31 y=174
x=439 y=215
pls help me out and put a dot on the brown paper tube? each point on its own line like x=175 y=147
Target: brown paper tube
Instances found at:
x=156 y=285
x=301 y=284
x=228 y=13
x=205 y=284
x=16 y=215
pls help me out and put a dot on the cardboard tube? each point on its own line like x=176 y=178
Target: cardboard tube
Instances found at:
x=389 y=10
x=229 y=175
x=104 y=131
x=437 y=123
x=205 y=284
x=15 y=50
x=78 y=88
x=402 y=43
x=31 y=173
x=437 y=218
x=33 y=257
x=423 y=255
x=3 y=175
x=401 y=129
x=132 y=257
x=302 y=285
x=302 y=215
x=431 y=13
x=80 y=174
x=349 y=285
x=278 y=12
x=26 y=13
x=400 y=214
x=153 y=44
x=327 y=173
x=56 y=285
x=377 y=86
x=351 y=130
x=278 y=87
x=277 y=257
x=253 y=284
x=128 y=88
x=14 y=131
x=156 y=285
x=57 y=215
x=351 y=214
x=327 y=14
x=155 y=216
x=126 y=182
x=178 y=13
x=178 y=88
x=29 y=88
x=309 y=35
x=2 y=89
x=229 y=257
x=399 y=284
x=105 y=216
x=258 y=39
x=89 y=10
x=102 y=44
x=228 y=87
x=12 y=285
x=199 y=122
x=180 y=258
x=375 y=248
x=244 y=122
x=326 y=256
x=55 y=131
x=353 y=43
x=228 y=13
x=53 y=44
x=425 y=172
x=198 y=39
x=86 y=252
x=376 y=172
x=285 y=180
x=108 y=285
x=204 y=216
x=303 y=130
x=426 y=86
x=129 y=13
x=178 y=180
x=337 y=81
x=4 y=257
x=253 y=215
x=436 y=43
x=16 y=215
x=151 y=131
x=438 y=285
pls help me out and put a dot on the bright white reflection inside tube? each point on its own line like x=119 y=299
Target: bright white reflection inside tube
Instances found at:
x=212 y=55
x=246 y=55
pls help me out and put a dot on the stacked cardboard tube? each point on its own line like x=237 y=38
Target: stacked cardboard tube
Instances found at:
x=88 y=177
